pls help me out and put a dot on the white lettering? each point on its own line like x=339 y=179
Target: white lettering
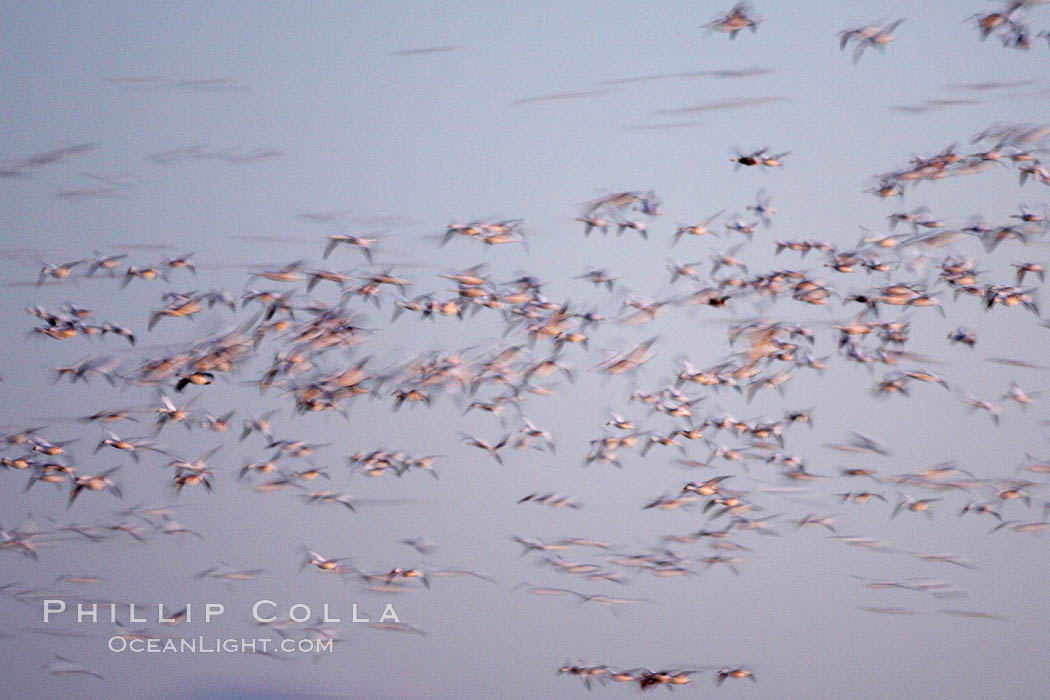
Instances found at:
x=389 y=614
x=259 y=604
x=82 y=612
x=326 y=617
x=299 y=606
x=48 y=609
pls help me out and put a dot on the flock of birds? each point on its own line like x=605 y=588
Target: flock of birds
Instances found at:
x=1009 y=23
x=299 y=333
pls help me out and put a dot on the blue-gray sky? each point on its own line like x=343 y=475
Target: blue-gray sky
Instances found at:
x=527 y=115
